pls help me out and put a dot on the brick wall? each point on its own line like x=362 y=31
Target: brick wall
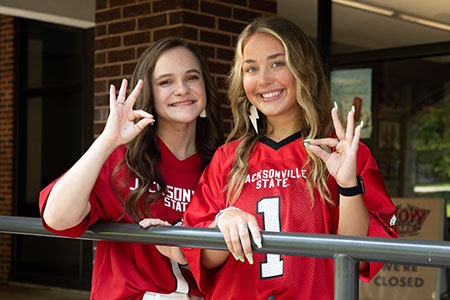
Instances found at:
x=6 y=135
x=125 y=28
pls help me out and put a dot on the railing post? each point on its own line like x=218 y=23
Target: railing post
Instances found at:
x=346 y=278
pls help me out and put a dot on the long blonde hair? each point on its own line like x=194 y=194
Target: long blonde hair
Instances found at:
x=313 y=97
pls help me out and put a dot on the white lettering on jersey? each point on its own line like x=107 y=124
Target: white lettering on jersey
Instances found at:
x=174 y=197
x=151 y=190
x=270 y=178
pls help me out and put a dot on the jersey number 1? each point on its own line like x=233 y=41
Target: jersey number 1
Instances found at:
x=269 y=208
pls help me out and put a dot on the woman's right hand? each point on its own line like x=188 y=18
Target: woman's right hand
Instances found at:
x=236 y=226
x=121 y=126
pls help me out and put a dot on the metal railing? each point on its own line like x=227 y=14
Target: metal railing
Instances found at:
x=346 y=251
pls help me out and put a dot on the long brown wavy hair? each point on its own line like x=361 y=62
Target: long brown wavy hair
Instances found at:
x=142 y=153
x=303 y=61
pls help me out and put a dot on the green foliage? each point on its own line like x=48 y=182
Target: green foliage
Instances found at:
x=433 y=139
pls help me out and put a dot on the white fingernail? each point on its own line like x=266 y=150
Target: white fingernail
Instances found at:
x=353 y=108
x=362 y=124
x=336 y=105
x=258 y=243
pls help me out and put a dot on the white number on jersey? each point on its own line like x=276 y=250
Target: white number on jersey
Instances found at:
x=270 y=209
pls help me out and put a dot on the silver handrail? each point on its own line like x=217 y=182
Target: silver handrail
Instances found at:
x=346 y=251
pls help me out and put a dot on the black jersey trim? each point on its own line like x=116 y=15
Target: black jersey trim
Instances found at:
x=274 y=145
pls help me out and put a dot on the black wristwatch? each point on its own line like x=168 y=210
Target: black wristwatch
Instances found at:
x=353 y=191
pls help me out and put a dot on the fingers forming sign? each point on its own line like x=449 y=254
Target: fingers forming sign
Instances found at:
x=124 y=123
x=341 y=163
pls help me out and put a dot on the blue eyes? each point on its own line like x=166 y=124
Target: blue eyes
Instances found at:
x=278 y=64
x=275 y=64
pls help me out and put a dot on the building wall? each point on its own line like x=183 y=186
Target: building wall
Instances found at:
x=125 y=28
x=6 y=135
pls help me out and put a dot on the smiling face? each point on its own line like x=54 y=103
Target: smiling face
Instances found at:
x=267 y=81
x=178 y=87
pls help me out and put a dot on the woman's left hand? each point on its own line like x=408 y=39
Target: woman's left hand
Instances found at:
x=172 y=252
x=144 y=223
x=341 y=163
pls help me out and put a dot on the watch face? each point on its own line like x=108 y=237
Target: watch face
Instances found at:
x=361 y=184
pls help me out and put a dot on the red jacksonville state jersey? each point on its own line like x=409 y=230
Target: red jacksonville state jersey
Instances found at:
x=275 y=193
x=128 y=270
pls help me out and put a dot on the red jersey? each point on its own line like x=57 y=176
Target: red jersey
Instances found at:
x=275 y=193
x=128 y=270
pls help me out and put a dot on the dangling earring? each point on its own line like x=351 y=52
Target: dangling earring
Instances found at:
x=253 y=116
x=203 y=113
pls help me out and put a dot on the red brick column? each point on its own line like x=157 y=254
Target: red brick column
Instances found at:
x=6 y=135
x=124 y=28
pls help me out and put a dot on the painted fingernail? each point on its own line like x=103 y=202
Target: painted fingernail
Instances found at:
x=235 y=257
x=353 y=108
x=241 y=258
x=250 y=258
x=153 y=221
x=306 y=144
x=362 y=124
x=258 y=243
x=143 y=223
x=336 y=105
x=308 y=140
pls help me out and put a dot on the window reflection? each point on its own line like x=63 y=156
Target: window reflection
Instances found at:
x=411 y=130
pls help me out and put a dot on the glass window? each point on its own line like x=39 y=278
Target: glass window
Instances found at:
x=410 y=137
x=51 y=112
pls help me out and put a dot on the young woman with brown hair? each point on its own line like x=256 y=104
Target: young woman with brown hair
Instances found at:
x=135 y=173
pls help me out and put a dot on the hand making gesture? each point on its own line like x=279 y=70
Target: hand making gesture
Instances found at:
x=121 y=126
x=341 y=163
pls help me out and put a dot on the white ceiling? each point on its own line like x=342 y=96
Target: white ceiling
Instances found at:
x=352 y=28
x=79 y=13
x=367 y=31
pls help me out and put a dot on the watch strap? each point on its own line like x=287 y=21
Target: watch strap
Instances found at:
x=353 y=191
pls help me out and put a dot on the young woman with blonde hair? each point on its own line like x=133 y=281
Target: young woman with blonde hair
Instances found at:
x=283 y=169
